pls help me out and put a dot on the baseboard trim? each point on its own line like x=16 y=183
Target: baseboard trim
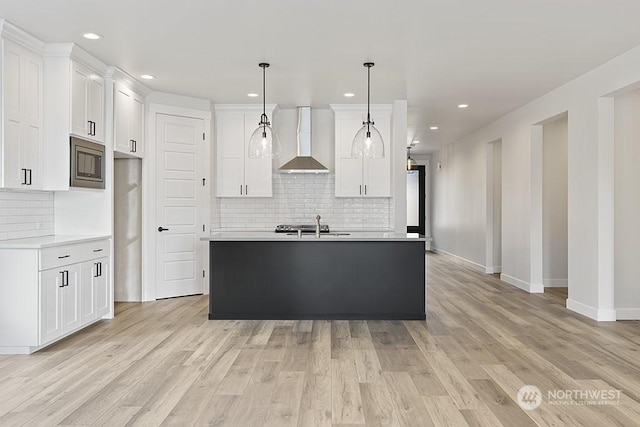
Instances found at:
x=591 y=312
x=493 y=270
x=473 y=265
x=555 y=283
x=532 y=289
x=628 y=313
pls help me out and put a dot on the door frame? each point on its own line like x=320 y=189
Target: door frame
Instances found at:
x=421 y=228
x=149 y=199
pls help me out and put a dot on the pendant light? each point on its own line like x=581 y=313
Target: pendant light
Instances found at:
x=368 y=141
x=410 y=162
x=264 y=142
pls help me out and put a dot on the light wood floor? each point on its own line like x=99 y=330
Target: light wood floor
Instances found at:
x=164 y=363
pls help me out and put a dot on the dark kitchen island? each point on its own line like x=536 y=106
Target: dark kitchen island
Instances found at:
x=362 y=275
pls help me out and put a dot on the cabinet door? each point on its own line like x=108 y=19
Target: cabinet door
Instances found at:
x=230 y=154
x=121 y=117
x=377 y=172
x=258 y=176
x=88 y=273
x=70 y=296
x=349 y=171
x=22 y=131
x=79 y=86
x=95 y=105
x=136 y=124
x=49 y=300
x=102 y=289
x=32 y=113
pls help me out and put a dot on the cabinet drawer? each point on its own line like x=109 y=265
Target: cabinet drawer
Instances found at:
x=70 y=254
x=58 y=256
x=93 y=250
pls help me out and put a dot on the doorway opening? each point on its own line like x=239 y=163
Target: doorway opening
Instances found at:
x=555 y=203
x=494 y=208
x=416 y=199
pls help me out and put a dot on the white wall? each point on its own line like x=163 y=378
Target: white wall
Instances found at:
x=458 y=210
x=627 y=205
x=459 y=181
x=554 y=204
x=25 y=214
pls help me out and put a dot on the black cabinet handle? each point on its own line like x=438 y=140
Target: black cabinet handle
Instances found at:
x=161 y=229
x=100 y=265
x=365 y=189
x=64 y=256
x=65 y=278
x=24 y=177
x=97 y=250
x=360 y=189
x=30 y=176
x=97 y=269
x=62 y=282
x=135 y=146
x=241 y=189
x=246 y=190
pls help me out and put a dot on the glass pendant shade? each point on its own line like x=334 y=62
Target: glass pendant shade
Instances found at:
x=264 y=143
x=367 y=143
x=410 y=162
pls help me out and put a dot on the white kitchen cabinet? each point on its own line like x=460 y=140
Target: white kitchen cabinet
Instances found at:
x=61 y=289
x=236 y=174
x=128 y=121
x=87 y=103
x=102 y=290
x=361 y=177
x=21 y=128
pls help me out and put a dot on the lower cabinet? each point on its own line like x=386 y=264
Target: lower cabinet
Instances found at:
x=70 y=289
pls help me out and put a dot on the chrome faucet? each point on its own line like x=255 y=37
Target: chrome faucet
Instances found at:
x=318 y=226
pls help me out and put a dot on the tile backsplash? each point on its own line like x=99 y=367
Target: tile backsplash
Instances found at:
x=297 y=199
x=25 y=214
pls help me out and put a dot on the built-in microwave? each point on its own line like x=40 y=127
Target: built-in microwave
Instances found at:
x=87 y=164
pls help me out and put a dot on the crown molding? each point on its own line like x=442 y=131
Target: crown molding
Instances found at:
x=359 y=108
x=17 y=35
x=127 y=80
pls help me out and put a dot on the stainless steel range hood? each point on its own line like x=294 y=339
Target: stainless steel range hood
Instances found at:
x=303 y=162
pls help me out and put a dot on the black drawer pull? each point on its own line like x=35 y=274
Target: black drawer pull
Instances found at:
x=97 y=250
x=64 y=256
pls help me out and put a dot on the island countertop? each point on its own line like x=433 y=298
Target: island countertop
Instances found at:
x=359 y=236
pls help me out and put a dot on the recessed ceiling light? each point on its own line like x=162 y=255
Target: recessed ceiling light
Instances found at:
x=434 y=128
x=147 y=77
x=463 y=105
x=252 y=95
x=349 y=94
x=92 y=36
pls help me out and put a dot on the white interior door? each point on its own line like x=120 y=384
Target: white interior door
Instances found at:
x=180 y=205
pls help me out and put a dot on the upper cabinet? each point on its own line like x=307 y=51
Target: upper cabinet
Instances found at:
x=21 y=109
x=361 y=177
x=236 y=174
x=87 y=102
x=128 y=121
x=74 y=104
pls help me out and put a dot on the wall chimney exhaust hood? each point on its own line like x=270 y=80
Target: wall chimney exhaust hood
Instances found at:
x=303 y=162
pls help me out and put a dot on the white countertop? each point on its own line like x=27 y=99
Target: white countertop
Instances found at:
x=372 y=236
x=47 y=241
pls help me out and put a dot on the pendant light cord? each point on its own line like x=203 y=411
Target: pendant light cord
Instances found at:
x=264 y=120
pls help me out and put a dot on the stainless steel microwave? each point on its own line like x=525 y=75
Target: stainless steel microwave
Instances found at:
x=87 y=164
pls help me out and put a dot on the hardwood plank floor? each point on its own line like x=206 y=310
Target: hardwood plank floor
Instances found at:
x=164 y=363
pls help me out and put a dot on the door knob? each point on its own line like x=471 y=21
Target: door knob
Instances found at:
x=161 y=229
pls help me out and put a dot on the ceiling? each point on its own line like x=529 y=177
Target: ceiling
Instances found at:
x=494 y=55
